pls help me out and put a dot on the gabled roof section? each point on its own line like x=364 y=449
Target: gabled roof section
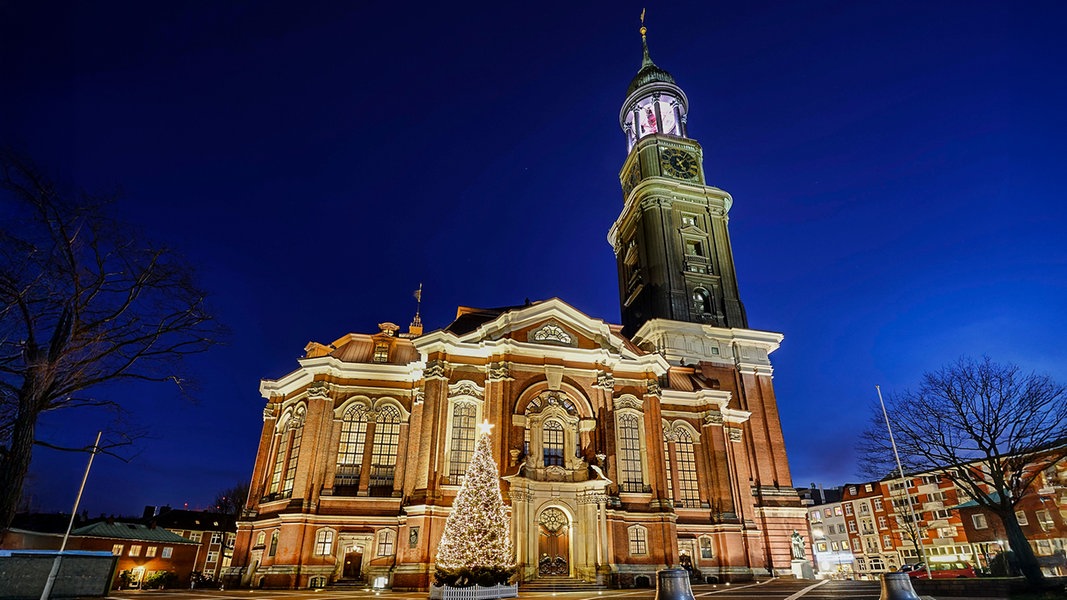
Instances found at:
x=130 y=531
x=195 y=520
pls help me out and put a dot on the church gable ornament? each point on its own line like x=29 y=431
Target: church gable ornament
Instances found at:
x=551 y=333
x=628 y=402
x=434 y=368
x=466 y=387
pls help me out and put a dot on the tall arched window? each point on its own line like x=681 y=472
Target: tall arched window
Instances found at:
x=383 y=457
x=667 y=462
x=552 y=442
x=630 y=454
x=287 y=444
x=273 y=549
x=462 y=443
x=688 y=493
x=350 y=448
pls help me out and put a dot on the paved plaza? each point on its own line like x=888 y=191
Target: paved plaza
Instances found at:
x=778 y=589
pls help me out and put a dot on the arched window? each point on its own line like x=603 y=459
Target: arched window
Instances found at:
x=350 y=448
x=386 y=542
x=287 y=443
x=638 y=538
x=261 y=539
x=552 y=442
x=705 y=548
x=324 y=542
x=383 y=458
x=701 y=301
x=667 y=461
x=462 y=443
x=273 y=544
x=687 y=470
x=630 y=454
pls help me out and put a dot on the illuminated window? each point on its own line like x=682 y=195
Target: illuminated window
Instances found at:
x=150 y=551
x=667 y=460
x=630 y=444
x=638 y=538
x=287 y=443
x=212 y=556
x=705 y=548
x=552 y=443
x=350 y=447
x=687 y=471
x=135 y=550
x=324 y=542
x=386 y=540
x=216 y=537
x=1044 y=519
x=1020 y=515
x=689 y=221
x=381 y=352
x=194 y=536
x=261 y=539
x=383 y=459
x=464 y=415
x=168 y=551
x=694 y=248
x=273 y=544
x=117 y=549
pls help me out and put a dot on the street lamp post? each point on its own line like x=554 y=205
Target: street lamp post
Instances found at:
x=47 y=592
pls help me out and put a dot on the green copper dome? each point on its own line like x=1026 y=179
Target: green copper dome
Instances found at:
x=649 y=72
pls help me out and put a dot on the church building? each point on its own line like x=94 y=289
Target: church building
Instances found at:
x=623 y=449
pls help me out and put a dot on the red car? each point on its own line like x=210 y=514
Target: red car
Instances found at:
x=948 y=570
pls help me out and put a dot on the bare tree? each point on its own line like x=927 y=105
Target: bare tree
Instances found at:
x=83 y=302
x=231 y=500
x=990 y=428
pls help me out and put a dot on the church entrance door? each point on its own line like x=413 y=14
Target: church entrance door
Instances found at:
x=553 y=543
x=353 y=564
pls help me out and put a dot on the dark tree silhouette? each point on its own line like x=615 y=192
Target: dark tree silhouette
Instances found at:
x=231 y=500
x=989 y=428
x=83 y=302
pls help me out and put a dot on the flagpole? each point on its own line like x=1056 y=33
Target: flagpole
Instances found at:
x=50 y=582
x=904 y=482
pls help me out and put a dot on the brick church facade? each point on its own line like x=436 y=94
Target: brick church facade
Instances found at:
x=623 y=449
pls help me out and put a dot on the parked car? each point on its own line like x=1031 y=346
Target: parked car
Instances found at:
x=947 y=570
x=908 y=568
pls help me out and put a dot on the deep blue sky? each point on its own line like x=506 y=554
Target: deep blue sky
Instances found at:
x=897 y=170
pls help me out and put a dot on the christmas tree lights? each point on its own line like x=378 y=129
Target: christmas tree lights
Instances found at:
x=476 y=545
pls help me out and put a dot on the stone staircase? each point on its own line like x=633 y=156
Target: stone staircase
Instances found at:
x=559 y=584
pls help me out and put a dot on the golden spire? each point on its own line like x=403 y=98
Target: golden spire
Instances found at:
x=415 y=329
x=643 y=29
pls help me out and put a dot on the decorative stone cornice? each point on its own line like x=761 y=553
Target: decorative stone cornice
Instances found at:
x=628 y=402
x=466 y=387
x=270 y=411
x=605 y=379
x=734 y=433
x=319 y=390
x=713 y=417
x=652 y=386
x=520 y=496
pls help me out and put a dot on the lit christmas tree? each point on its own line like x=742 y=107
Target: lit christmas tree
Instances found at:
x=476 y=545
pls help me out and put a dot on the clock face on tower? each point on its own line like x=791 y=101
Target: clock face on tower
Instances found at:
x=679 y=163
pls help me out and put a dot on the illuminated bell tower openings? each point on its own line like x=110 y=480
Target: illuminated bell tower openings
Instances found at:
x=654 y=104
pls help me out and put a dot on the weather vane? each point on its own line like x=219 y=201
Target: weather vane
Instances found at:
x=643 y=29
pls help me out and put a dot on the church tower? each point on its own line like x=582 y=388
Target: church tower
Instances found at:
x=671 y=241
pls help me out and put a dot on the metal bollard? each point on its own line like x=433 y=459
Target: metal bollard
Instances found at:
x=673 y=584
x=897 y=586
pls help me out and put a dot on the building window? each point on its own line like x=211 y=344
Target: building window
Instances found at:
x=1044 y=519
x=383 y=459
x=694 y=248
x=287 y=442
x=856 y=544
x=816 y=516
x=273 y=544
x=848 y=509
x=168 y=551
x=705 y=548
x=667 y=461
x=887 y=542
x=261 y=539
x=194 y=536
x=1044 y=547
x=552 y=442
x=877 y=504
x=837 y=509
x=689 y=220
x=630 y=444
x=381 y=352
x=135 y=550
x=212 y=556
x=827 y=513
x=216 y=537
x=464 y=415
x=150 y=551
x=324 y=542
x=350 y=447
x=701 y=301
x=864 y=509
x=386 y=540
x=852 y=490
x=687 y=470
x=638 y=538
x=1020 y=515
x=852 y=527
x=117 y=549
x=979 y=521
x=882 y=523
x=821 y=546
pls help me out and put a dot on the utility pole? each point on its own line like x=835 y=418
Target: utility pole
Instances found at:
x=47 y=592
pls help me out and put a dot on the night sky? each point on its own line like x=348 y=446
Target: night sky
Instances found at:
x=897 y=170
